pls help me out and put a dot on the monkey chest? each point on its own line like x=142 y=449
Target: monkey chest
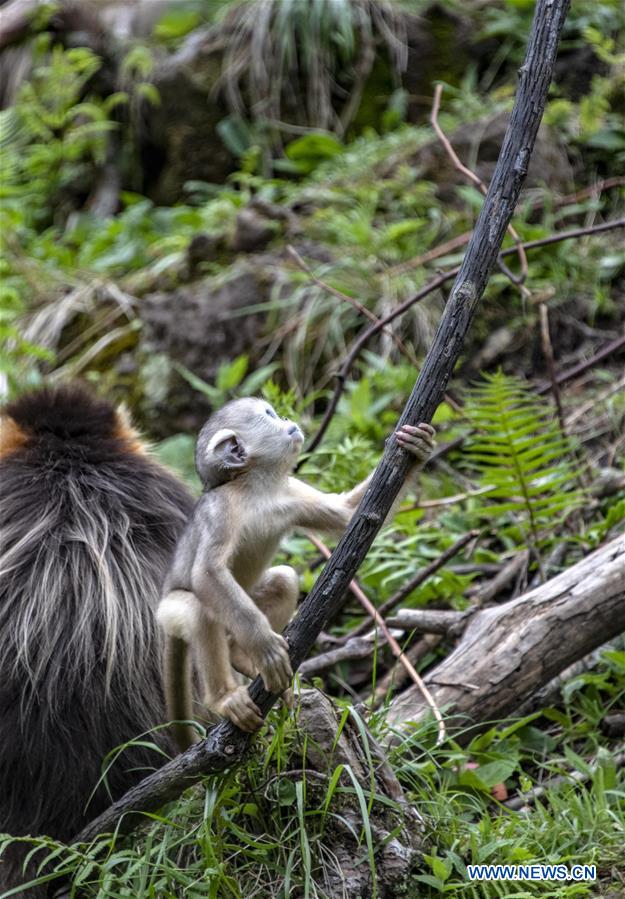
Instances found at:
x=254 y=556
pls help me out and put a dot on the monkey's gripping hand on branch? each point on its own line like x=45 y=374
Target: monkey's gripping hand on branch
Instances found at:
x=221 y=598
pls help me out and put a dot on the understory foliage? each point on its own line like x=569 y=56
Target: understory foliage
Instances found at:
x=72 y=289
x=523 y=460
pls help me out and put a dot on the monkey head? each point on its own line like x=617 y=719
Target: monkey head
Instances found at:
x=246 y=434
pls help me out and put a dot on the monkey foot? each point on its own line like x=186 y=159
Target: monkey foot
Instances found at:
x=288 y=699
x=239 y=707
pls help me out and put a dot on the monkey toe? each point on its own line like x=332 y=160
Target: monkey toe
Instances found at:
x=275 y=681
x=240 y=708
x=288 y=699
x=275 y=665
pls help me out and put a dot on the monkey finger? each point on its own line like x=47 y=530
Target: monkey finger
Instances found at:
x=422 y=427
x=416 y=446
x=423 y=431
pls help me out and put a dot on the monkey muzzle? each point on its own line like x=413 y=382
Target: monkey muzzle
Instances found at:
x=295 y=433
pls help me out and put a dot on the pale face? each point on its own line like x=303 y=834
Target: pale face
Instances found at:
x=255 y=431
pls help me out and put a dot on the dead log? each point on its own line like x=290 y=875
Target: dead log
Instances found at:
x=508 y=652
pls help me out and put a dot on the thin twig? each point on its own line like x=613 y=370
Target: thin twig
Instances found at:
x=355 y=649
x=484 y=592
x=434 y=284
x=392 y=642
x=448 y=500
x=516 y=803
x=416 y=580
x=582 y=411
x=345 y=298
x=444 y=622
x=551 y=363
x=475 y=179
x=612 y=347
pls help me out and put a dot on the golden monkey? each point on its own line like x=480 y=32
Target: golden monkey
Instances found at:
x=88 y=524
x=221 y=598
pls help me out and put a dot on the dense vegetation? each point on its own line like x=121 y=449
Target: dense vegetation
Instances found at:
x=364 y=209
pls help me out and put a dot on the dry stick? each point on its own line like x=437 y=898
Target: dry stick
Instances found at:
x=450 y=500
x=422 y=575
x=225 y=744
x=444 y=622
x=484 y=592
x=582 y=411
x=475 y=179
x=460 y=240
x=429 y=288
x=345 y=298
x=557 y=397
x=551 y=363
x=396 y=649
x=352 y=651
x=516 y=803
x=612 y=347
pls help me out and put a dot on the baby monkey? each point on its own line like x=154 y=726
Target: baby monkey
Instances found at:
x=221 y=599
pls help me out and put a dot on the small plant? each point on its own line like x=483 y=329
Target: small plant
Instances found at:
x=521 y=455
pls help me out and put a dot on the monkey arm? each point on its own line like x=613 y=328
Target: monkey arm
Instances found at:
x=331 y=512
x=227 y=603
x=327 y=512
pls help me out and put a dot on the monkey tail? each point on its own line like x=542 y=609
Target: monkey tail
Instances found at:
x=178 y=687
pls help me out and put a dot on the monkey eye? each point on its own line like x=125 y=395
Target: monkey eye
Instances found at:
x=270 y=413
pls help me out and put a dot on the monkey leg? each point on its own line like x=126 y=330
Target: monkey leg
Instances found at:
x=276 y=595
x=220 y=692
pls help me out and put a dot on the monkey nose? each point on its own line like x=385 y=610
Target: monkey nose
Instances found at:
x=294 y=431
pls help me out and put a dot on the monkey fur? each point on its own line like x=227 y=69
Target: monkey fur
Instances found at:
x=223 y=606
x=88 y=522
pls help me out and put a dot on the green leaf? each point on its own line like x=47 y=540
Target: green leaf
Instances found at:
x=230 y=375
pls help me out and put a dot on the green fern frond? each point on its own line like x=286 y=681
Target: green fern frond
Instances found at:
x=522 y=457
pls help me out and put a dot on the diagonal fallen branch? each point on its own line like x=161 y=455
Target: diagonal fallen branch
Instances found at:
x=509 y=651
x=225 y=744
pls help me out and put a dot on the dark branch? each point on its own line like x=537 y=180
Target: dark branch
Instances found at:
x=425 y=291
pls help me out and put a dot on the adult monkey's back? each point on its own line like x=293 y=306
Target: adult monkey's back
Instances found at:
x=87 y=524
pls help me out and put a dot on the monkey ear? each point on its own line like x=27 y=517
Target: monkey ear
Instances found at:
x=228 y=450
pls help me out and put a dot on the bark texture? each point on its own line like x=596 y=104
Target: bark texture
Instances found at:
x=508 y=652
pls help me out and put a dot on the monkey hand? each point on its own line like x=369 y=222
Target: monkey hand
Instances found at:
x=239 y=707
x=419 y=441
x=271 y=659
